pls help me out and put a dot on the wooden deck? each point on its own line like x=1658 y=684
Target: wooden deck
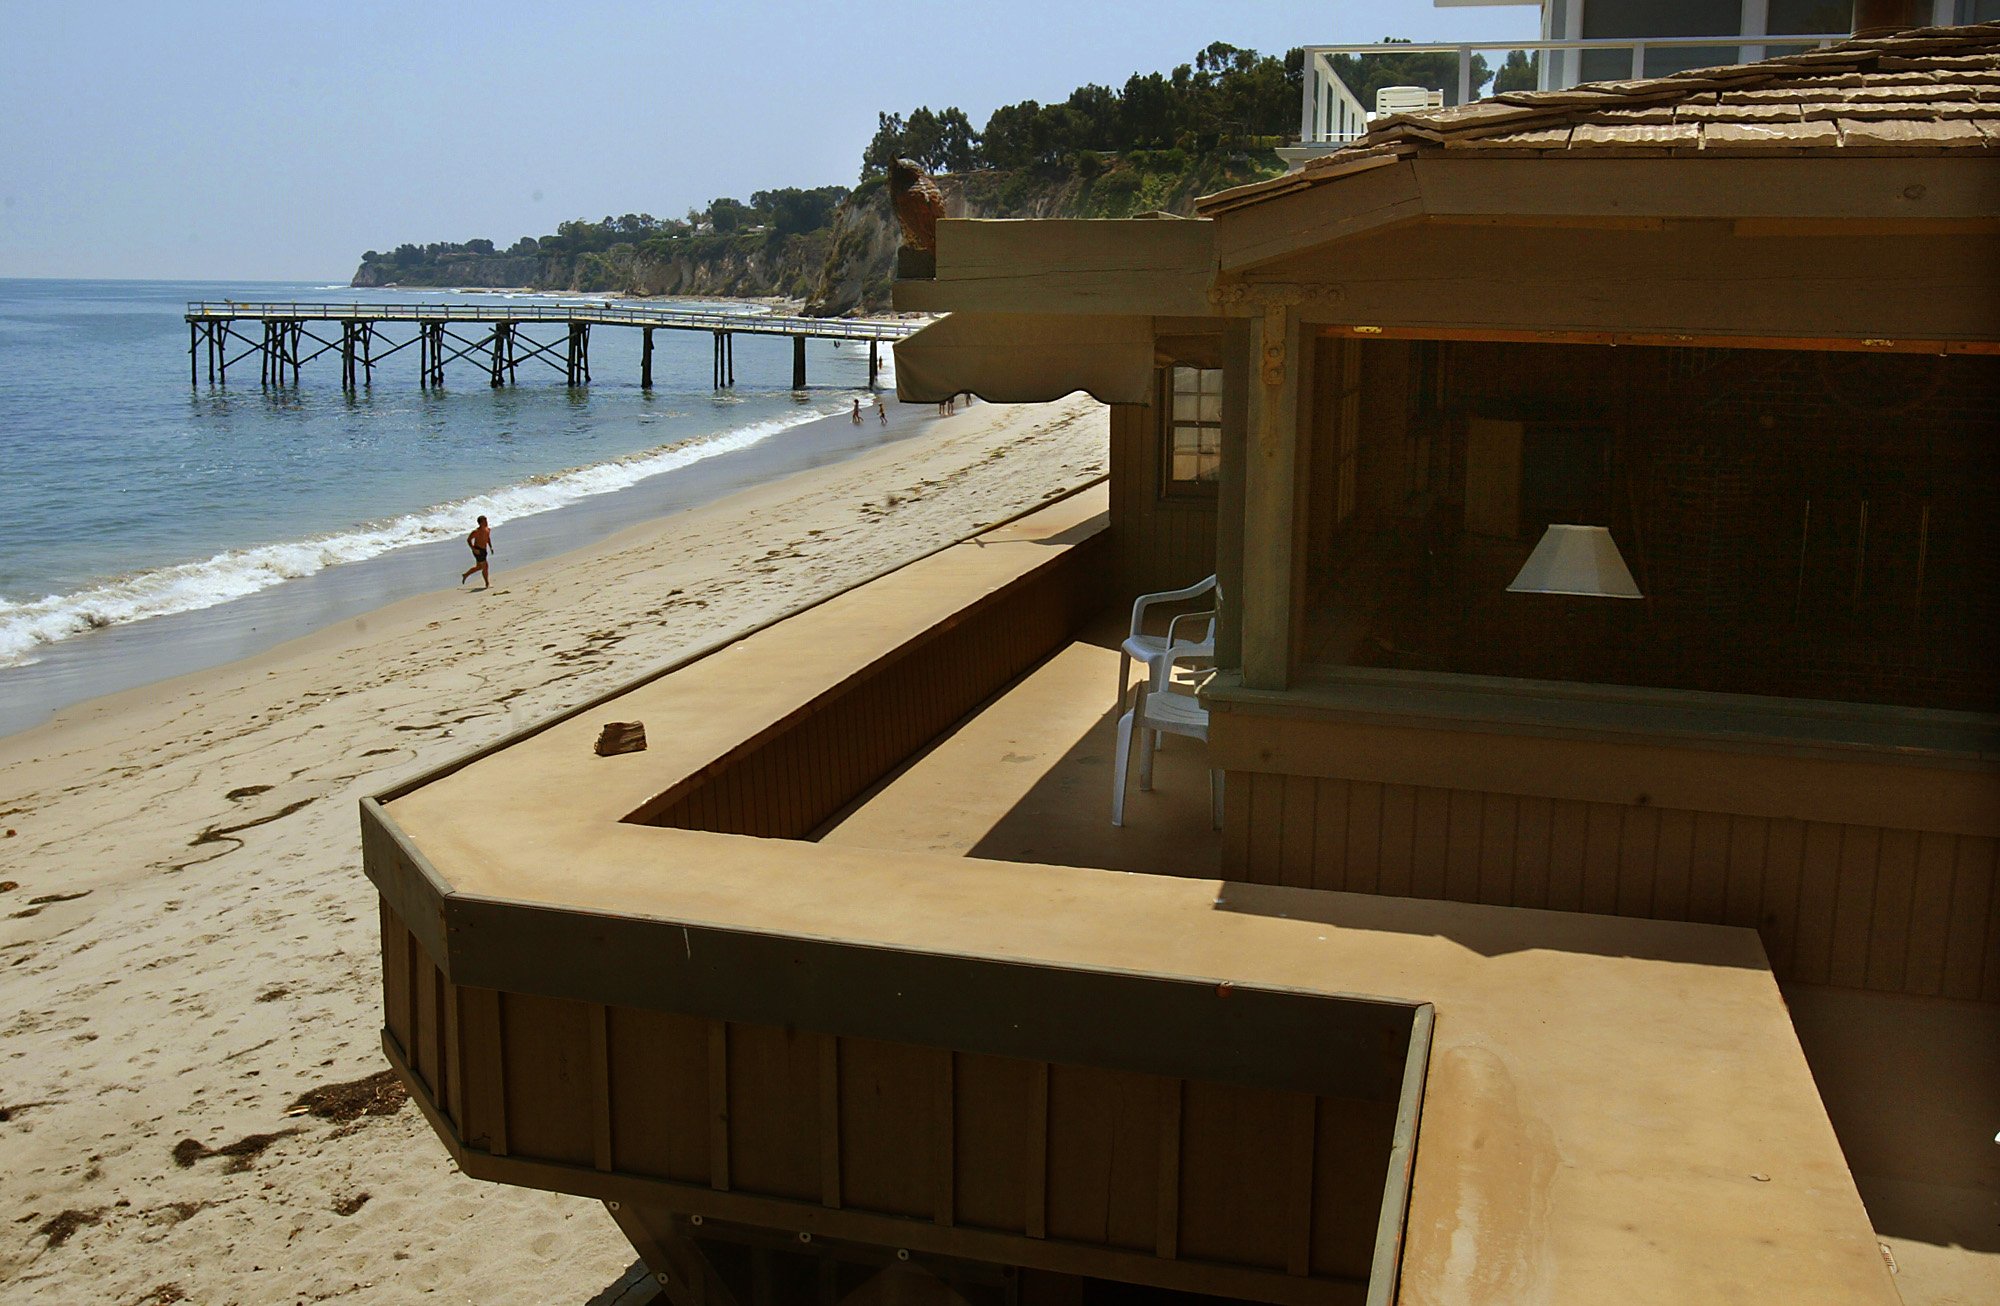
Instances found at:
x=924 y=1033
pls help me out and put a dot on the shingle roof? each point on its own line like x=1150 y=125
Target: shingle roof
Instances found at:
x=1932 y=90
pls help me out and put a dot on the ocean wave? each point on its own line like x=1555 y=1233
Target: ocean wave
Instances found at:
x=26 y=628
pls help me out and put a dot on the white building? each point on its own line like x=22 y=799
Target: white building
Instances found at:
x=1581 y=41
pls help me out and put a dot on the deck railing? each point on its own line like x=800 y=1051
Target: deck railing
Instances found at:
x=1331 y=114
x=755 y=323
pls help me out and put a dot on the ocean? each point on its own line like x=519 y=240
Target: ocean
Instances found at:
x=150 y=528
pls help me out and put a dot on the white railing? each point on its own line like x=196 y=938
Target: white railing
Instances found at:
x=749 y=323
x=1331 y=114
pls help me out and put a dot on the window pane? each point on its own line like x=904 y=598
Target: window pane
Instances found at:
x=1787 y=16
x=1187 y=380
x=1641 y=18
x=1187 y=408
x=1211 y=408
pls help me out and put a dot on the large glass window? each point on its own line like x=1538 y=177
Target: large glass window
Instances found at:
x=1607 y=19
x=1799 y=17
x=1193 y=430
x=1800 y=525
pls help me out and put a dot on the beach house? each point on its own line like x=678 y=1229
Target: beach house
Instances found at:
x=1624 y=931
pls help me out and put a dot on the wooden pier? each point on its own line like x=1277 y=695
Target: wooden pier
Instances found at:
x=286 y=336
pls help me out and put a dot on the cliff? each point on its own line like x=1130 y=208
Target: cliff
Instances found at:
x=846 y=266
x=748 y=264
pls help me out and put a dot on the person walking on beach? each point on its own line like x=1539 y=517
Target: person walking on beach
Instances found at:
x=857 y=412
x=481 y=540
x=880 y=411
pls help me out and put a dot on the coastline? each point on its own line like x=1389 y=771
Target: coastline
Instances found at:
x=126 y=656
x=190 y=946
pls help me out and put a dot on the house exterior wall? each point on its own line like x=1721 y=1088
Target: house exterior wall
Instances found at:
x=1860 y=866
x=1863 y=906
x=1159 y=541
x=1200 y=1171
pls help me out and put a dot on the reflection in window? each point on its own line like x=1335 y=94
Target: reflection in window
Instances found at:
x=1194 y=429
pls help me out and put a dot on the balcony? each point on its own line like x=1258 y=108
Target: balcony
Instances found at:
x=1332 y=115
x=846 y=988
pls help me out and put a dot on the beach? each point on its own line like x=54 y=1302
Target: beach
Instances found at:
x=187 y=1103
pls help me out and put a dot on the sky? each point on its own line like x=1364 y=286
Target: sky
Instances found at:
x=278 y=140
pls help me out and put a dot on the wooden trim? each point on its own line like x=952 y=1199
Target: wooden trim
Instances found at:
x=1038 y=1151
x=943 y=1140
x=1274 y=362
x=1919 y=227
x=1155 y=1024
x=1725 y=776
x=718 y=1106
x=1304 y=1129
x=829 y=1121
x=918 y=1235
x=1688 y=340
x=1392 y=1226
x=454 y=1055
x=597 y=1017
x=492 y=1070
x=1166 y=1243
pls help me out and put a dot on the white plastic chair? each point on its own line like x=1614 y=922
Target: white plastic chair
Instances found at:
x=1406 y=99
x=1152 y=714
x=1160 y=652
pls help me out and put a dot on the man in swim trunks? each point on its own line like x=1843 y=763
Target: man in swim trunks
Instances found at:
x=481 y=541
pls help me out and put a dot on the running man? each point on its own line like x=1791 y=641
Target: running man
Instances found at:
x=481 y=541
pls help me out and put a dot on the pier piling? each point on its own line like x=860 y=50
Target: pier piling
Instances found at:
x=295 y=334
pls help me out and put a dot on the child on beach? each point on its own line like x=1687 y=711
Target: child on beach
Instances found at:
x=880 y=411
x=481 y=541
x=857 y=412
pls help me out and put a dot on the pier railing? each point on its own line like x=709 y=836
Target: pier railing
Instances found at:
x=775 y=324
x=291 y=337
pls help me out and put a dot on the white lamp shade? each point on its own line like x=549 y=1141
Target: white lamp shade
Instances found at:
x=1580 y=560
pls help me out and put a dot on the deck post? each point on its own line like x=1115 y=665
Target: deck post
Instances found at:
x=368 y=352
x=798 y=362
x=194 y=367
x=494 y=375
x=1274 y=361
x=874 y=361
x=729 y=356
x=297 y=350
x=646 y=359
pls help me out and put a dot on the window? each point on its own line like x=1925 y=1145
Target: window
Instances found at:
x=1793 y=17
x=1193 y=429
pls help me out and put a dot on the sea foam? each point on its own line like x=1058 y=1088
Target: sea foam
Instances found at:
x=238 y=573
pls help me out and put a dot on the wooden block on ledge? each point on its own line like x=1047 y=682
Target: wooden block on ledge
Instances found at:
x=622 y=737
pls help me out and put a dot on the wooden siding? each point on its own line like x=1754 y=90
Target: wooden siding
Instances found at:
x=1159 y=542
x=788 y=781
x=1900 y=911
x=1216 y=1185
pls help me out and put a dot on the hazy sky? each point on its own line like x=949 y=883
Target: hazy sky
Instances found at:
x=272 y=139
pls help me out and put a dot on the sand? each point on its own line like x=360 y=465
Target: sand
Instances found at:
x=188 y=947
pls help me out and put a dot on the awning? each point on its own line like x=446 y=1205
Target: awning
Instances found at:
x=1027 y=358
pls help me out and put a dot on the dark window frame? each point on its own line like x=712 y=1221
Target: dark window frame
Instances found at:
x=1170 y=428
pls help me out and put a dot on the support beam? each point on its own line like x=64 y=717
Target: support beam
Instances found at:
x=874 y=361
x=646 y=360
x=798 y=362
x=1275 y=363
